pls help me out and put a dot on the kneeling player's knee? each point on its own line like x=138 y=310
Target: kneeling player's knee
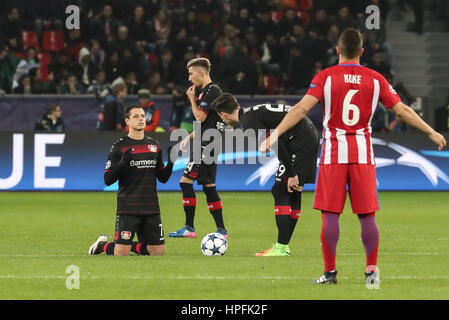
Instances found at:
x=156 y=250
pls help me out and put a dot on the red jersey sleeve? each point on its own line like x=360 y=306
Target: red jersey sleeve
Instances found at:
x=316 y=87
x=387 y=94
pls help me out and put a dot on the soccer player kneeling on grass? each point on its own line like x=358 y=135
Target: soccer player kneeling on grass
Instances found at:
x=136 y=162
x=297 y=153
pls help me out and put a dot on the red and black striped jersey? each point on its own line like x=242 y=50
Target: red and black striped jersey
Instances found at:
x=137 y=192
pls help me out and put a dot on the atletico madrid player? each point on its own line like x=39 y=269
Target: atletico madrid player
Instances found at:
x=349 y=93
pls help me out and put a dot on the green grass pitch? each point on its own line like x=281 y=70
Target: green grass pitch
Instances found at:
x=44 y=233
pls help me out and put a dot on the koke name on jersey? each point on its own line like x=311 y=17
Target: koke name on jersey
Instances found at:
x=353 y=78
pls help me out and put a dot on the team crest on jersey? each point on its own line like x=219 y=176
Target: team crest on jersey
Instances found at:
x=392 y=90
x=200 y=96
x=108 y=164
x=220 y=125
x=125 y=235
x=152 y=148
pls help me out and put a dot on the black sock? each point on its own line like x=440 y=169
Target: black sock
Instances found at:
x=140 y=249
x=188 y=202
x=107 y=247
x=283 y=224
x=215 y=206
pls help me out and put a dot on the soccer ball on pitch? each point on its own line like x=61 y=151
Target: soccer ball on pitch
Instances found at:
x=214 y=244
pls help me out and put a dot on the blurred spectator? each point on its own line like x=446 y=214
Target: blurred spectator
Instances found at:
x=113 y=67
x=332 y=37
x=181 y=74
x=11 y=28
x=139 y=28
x=104 y=26
x=111 y=117
x=29 y=61
x=85 y=69
x=265 y=25
x=70 y=85
x=344 y=18
x=182 y=115
x=40 y=87
x=99 y=86
x=162 y=27
x=272 y=55
x=167 y=68
x=24 y=86
x=97 y=54
x=320 y=22
x=289 y=19
x=131 y=83
x=240 y=74
x=242 y=21
x=152 y=112
x=62 y=66
x=74 y=43
x=122 y=41
x=154 y=84
x=178 y=43
x=52 y=120
x=299 y=71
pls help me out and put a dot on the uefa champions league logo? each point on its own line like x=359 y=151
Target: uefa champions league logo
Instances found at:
x=408 y=158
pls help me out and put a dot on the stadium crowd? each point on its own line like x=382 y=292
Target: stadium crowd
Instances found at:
x=256 y=47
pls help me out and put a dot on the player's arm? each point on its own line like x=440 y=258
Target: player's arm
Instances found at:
x=164 y=171
x=199 y=114
x=408 y=115
x=117 y=162
x=295 y=115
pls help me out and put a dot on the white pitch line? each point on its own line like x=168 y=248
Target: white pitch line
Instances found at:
x=239 y=256
x=199 y=277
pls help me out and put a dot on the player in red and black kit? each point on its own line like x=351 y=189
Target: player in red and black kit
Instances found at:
x=297 y=153
x=136 y=162
x=349 y=93
x=201 y=94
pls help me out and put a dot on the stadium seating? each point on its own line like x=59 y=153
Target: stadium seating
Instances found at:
x=30 y=39
x=52 y=40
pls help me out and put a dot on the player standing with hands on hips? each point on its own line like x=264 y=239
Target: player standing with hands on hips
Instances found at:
x=349 y=93
x=201 y=94
x=136 y=162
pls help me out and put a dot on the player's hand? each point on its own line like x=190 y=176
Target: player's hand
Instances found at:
x=126 y=157
x=265 y=146
x=293 y=184
x=438 y=139
x=184 y=143
x=191 y=92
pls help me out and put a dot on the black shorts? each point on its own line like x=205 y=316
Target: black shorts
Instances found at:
x=304 y=164
x=147 y=227
x=201 y=172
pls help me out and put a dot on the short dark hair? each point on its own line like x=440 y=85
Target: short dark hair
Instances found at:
x=128 y=110
x=52 y=107
x=350 y=43
x=200 y=62
x=225 y=102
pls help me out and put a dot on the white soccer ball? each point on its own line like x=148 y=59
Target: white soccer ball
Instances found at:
x=214 y=244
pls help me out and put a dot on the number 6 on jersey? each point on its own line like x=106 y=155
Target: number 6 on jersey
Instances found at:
x=347 y=107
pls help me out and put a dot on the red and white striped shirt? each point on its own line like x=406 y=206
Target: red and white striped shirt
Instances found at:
x=350 y=94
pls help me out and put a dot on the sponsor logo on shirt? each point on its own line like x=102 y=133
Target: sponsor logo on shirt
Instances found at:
x=140 y=164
